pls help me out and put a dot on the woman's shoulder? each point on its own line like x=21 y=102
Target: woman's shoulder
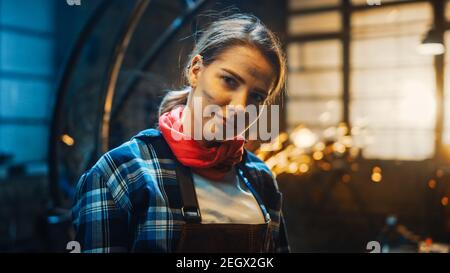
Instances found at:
x=259 y=170
x=127 y=168
x=265 y=182
x=137 y=147
x=255 y=163
x=132 y=151
x=148 y=133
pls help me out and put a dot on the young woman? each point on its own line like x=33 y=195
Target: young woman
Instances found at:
x=167 y=191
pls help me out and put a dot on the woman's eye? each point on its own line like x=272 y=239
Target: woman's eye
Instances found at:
x=230 y=82
x=259 y=98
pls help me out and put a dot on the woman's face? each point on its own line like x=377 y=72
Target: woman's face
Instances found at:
x=240 y=77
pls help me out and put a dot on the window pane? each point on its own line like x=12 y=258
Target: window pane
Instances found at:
x=392 y=85
x=367 y=2
x=315 y=23
x=408 y=109
x=397 y=144
x=387 y=52
x=314 y=113
x=387 y=82
x=25 y=99
x=14 y=137
x=18 y=53
x=28 y=14
x=315 y=55
x=315 y=83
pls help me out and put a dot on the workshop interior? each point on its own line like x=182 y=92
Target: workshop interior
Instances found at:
x=363 y=153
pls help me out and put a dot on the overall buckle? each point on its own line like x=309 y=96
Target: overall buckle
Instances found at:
x=191 y=214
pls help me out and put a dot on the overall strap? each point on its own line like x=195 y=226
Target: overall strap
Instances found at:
x=189 y=208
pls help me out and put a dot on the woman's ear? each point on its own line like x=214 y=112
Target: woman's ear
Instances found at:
x=194 y=69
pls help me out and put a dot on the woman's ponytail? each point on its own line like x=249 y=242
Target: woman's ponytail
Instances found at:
x=173 y=99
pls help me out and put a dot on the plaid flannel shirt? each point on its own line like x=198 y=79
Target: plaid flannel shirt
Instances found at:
x=130 y=201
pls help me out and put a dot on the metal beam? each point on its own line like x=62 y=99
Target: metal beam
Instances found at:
x=439 y=25
x=113 y=73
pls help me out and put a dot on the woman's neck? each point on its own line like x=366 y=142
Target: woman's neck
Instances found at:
x=187 y=120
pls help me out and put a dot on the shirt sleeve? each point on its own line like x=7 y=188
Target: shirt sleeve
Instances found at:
x=100 y=224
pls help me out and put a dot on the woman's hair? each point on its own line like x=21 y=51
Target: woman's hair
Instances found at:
x=237 y=29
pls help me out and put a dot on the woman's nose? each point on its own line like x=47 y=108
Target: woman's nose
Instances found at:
x=239 y=98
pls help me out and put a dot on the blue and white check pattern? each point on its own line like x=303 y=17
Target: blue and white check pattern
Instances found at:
x=129 y=201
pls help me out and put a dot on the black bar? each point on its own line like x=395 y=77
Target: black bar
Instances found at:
x=315 y=37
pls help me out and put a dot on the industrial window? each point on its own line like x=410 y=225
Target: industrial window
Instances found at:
x=391 y=86
x=27 y=69
x=314 y=84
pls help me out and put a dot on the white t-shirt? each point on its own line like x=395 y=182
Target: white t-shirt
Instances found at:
x=226 y=201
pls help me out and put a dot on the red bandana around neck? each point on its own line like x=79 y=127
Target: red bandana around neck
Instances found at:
x=210 y=162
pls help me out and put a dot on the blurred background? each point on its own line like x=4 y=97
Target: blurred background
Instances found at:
x=364 y=149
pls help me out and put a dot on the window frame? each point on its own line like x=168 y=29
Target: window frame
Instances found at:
x=346 y=9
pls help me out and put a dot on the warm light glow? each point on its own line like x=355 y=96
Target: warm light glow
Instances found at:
x=271 y=162
x=318 y=155
x=274 y=145
x=303 y=138
x=376 y=177
x=354 y=152
x=342 y=129
x=432 y=183
x=431 y=49
x=339 y=147
x=439 y=173
x=304 y=168
x=330 y=132
x=320 y=146
x=283 y=137
x=347 y=141
x=376 y=169
x=325 y=117
x=293 y=167
x=444 y=201
x=304 y=159
x=68 y=140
